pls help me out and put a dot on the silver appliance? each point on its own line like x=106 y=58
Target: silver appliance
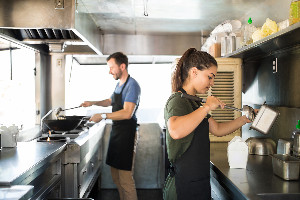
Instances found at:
x=81 y=160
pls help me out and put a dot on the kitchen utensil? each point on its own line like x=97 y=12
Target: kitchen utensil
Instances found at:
x=85 y=119
x=286 y=166
x=261 y=146
x=62 y=125
x=264 y=119
x=249 y=111
x=284 y=147
x=60 y=109
x=195 y=98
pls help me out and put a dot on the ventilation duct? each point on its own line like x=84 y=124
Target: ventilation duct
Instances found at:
x=62 y=25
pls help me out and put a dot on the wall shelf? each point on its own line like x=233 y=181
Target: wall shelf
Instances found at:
x=286 y=38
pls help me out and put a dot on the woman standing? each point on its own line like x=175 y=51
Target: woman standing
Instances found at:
x=188 y=125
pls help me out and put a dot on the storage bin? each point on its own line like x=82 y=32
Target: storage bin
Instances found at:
x=285 y=166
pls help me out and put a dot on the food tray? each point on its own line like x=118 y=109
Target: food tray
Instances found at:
x=285 y=166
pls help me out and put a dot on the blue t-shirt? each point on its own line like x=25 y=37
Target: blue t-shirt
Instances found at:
x=131 y=92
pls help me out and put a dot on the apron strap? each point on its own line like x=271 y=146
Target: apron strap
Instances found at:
x=191 y=102
x=125 y=83
x=172 y=169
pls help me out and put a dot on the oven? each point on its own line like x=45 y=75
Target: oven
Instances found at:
x=81 y=160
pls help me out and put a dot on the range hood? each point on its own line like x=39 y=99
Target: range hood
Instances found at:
x=62 y=26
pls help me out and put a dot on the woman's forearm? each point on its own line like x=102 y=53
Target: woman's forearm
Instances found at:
x=225 y=128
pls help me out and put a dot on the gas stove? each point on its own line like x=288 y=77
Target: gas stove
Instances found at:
x=53 y=139
x=58 y=135
x=81 y=159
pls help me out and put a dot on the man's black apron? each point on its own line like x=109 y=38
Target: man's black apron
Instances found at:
x=121 y=142
x=192 y=169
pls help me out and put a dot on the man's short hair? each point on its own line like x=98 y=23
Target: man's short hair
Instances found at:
x=119 y=57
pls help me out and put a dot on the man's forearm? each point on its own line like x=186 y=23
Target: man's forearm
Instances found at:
x=104 y=103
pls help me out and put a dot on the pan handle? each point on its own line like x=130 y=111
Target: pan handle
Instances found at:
x=195 y=98
x=70 y=108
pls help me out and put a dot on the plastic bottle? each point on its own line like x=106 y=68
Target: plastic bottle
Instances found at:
x=296 y=138
x=294 y=12
x=247 y=31
x=297 y=129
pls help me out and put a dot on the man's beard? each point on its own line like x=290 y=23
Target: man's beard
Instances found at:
x=118 y=76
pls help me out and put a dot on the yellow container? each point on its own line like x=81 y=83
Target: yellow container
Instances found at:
x=294 y=12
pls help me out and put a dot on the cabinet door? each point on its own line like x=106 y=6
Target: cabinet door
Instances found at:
x=227 y=87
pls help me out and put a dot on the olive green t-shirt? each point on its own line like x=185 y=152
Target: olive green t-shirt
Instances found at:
x=176 y=106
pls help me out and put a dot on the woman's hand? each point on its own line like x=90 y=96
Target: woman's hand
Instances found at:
x=246 y=119
x=213 y=102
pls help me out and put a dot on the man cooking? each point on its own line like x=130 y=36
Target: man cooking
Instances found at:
x=124 y=102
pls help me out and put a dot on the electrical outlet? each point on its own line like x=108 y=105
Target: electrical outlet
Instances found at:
x=59 y=4
x=59 y=63
x=275 y=65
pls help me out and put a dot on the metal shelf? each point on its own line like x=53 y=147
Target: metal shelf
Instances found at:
x=286 y=38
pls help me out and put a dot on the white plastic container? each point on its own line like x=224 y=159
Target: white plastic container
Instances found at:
x=237 y=153
x=9 y=136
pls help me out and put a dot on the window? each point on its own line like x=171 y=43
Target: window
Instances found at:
x=95 y=83
x=17 y=88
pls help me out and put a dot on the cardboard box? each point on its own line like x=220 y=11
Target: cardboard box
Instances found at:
x=215 y=50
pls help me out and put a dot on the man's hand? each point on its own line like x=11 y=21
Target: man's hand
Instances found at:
x=96 y=118
x=87 y=104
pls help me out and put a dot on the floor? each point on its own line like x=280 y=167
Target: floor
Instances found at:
x=112 y=194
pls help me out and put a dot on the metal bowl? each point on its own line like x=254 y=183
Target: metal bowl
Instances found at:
x=261 y=146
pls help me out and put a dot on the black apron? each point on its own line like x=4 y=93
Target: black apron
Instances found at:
x=192 y=169
x=121 y=142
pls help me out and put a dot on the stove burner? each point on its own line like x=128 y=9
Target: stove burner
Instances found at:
x=74 y=131
x=53 y=139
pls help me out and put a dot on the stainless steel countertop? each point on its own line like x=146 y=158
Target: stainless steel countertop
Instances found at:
x=257 y=178
x=17 y=163
x=21 y=192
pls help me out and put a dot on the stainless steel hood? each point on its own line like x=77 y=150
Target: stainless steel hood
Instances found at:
x=62 y=25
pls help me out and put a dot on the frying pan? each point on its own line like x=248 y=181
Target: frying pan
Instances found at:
x=67 y=124
x=62 y=125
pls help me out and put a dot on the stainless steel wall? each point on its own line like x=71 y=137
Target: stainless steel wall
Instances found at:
x=280 y=90
x=150 y=44
x=44 y=90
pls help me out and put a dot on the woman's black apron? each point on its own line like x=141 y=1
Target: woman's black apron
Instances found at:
x=192 y=169
x=121 y=142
